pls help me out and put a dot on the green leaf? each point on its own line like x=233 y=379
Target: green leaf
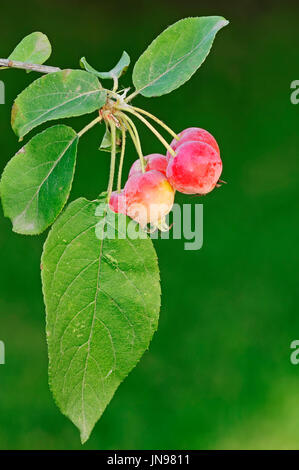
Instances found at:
x=106 y=144
x=175 y=55
x=56 y=95
x=119 y=69
x=34 y=49
x=37 y=181
x=102 y=299
x=85 y=65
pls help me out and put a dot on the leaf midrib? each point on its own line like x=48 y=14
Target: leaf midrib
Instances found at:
x=181 y=59
x=91 y=328
x=47 y=176
x=40 y=116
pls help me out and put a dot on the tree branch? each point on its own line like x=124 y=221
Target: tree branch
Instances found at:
x=26 y=66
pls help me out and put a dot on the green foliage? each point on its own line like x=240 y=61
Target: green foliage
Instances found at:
x=57 y=95
x=34 y=48
x=102 y=293
x=174 y=56
x=37 y=181
x=85 y=65
x=102 y=299
x=119 y=69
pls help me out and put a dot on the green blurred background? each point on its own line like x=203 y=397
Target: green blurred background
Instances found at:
x=218 y=373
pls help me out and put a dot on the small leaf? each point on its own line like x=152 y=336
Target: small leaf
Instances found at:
x=34 y=49
x=119 y=69
x=57 y=95
x=175 y=55
x=106 y=144
x=85 y=65
x=37 y=181
x=102 y=299
x=114 y=73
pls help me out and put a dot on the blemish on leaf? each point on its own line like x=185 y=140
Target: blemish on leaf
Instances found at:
x=109 y=373
x=14 y=112
x=65 y=74
x=110 y=260
x=22 y=150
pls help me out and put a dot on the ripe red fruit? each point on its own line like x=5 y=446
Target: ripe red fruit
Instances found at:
x=154 y=161
x=193 y=134
x=195 y=169
x=117 y=202
x=149 y=198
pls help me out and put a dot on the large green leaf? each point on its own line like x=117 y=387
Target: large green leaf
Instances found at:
x=34 y=48
x=175 y=55
x=102 y=299
x=37 y=181
x=56 y=95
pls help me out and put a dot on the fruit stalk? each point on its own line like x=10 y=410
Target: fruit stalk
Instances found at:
x=122 y=154
x=158 y=121
x=154 y=131
x=112 y=163
x=134 y=135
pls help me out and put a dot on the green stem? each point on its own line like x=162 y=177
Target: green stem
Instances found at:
x=115 y=85
x=131 y=96
x=135 y=137
x=154 y=131
x=112 y=163
x=122 y=154
x=89 y=126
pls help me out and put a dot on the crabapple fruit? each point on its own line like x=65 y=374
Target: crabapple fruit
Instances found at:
x=117 y=202
x=154 y=161
x=193 y=134
x=195 y=169
x=149 y=198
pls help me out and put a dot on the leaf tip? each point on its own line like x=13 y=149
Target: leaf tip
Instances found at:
x=223 y=22
x=82 y=62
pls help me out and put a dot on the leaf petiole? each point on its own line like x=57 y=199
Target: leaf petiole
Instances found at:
x=89 y=126
x=131 y=96
x=115 y=84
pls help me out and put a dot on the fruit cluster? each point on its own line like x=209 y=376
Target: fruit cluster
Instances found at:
x=194 y=169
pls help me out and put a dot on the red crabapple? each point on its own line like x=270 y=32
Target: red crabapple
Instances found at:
x=195 y=169
x=193 y=134
x=117 y=202
x=154 y=161
x=149 y=198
